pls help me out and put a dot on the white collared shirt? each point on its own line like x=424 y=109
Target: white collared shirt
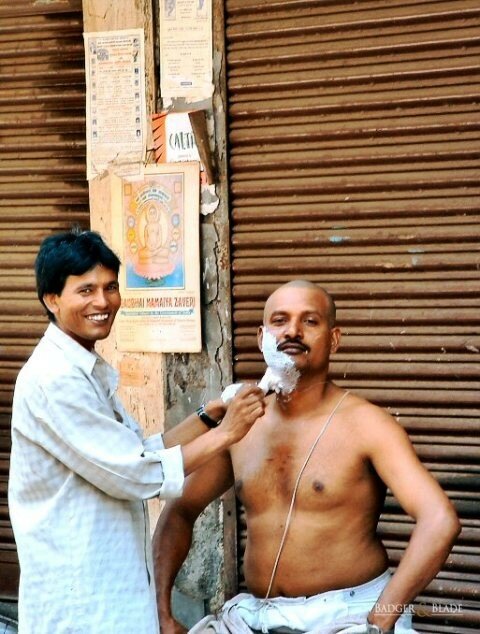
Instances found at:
x=79 y=474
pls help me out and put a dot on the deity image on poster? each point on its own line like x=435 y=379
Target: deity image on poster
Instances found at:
x=153 y=216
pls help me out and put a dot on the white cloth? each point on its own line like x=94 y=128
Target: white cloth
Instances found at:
x=335 y=612
x=79 y=473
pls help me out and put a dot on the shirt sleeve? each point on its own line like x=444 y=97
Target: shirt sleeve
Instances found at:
x=154 y=442
x=70 y=422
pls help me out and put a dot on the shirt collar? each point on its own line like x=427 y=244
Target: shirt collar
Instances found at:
x=83 y=358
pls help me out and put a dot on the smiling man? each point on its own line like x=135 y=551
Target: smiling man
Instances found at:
x=80 y=467
x=312 y=476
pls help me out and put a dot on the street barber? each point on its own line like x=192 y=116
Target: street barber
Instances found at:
x=312 y=475
x=80 y=468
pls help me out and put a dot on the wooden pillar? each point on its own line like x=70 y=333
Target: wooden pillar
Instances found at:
x=141 y=374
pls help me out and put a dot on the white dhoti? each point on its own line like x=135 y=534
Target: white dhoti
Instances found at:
x=335 y=612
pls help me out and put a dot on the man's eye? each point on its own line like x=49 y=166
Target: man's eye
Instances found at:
x=311 y=322
x=85 y=291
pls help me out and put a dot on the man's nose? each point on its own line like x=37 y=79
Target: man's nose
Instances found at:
x=100 y=299
x=293 y=329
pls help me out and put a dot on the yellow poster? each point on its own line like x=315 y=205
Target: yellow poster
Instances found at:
x=156 y=234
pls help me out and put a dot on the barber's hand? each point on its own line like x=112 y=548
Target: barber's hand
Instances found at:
x=243 y=410
x=216 y=408
x=171 y=626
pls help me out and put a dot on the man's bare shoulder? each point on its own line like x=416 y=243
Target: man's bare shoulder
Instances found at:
x=371 y=423
x=358 y=408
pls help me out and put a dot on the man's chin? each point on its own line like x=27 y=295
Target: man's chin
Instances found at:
x=100 y=332
x=104 y=335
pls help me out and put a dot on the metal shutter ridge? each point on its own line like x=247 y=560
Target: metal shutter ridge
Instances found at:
x=354 y=133
x=42 y=187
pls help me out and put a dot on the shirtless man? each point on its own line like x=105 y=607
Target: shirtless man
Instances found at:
x=330 y=542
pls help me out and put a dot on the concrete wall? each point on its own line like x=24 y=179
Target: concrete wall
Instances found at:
x=210 y=571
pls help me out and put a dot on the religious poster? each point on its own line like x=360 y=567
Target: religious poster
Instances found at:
x=116 y=108
x=186 y=68
x=156 y=234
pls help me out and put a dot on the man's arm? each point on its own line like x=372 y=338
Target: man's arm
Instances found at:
x=243 y=410
x=192 y=426
x=173 y=534
x=80 y=430
x=421 y=497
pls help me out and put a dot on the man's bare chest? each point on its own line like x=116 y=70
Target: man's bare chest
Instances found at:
x=267 y=467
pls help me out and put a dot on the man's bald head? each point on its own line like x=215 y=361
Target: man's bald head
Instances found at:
x=331 y=308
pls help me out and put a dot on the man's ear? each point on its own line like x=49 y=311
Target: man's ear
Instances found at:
x=335 y=336
x=260 y=337
x=50 y=300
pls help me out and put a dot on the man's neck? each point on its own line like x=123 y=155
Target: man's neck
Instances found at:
x=308 y=395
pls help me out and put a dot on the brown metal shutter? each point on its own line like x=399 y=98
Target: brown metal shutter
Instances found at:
x=354 y=162
x=42 y=187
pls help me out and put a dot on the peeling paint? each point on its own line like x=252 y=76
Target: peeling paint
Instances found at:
x=209 y=200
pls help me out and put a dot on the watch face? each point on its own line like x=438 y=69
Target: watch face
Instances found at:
x=374 y=629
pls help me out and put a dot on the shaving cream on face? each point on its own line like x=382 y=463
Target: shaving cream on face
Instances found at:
x=281 y=375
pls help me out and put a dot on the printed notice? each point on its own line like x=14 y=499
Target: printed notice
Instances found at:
x=156 y=234
x=174 y=140
x=116 y=110
x=186 y=49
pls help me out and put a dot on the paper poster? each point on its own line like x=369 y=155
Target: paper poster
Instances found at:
x=174 y=140
x=116 y=109
x=186 y=68
x=156 y=234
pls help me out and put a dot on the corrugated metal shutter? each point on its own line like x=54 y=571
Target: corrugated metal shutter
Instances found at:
x=354 y=162
x=42 y=186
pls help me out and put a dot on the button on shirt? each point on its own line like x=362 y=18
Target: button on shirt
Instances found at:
x=79 y=473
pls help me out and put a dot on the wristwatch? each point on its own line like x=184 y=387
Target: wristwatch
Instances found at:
x=205 y=418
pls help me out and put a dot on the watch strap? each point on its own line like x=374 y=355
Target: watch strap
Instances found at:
x=205 y=418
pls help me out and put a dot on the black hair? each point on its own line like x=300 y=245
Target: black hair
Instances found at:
x=71 y=252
